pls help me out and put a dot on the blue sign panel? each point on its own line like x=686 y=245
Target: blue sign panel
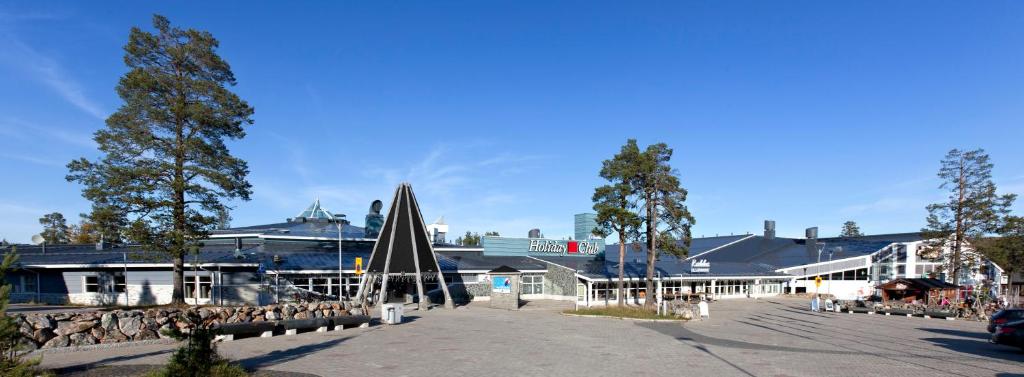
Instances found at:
x=501 y=284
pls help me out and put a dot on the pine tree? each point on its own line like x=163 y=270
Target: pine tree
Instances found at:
x=972 y=209
x=55 y=228
x=165 y=163
x=850 y=229
x=1007 y=250
x=615 y=212
x=666 y=218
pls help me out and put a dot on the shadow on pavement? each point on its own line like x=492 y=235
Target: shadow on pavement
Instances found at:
x=978 y=348
x=105 y=362
x=281 y=356
x=960 y=333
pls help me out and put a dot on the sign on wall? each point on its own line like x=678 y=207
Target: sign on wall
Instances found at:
x=564 y=247
x=700 y=266
x=501 y=284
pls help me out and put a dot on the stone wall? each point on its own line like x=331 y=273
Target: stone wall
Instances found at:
x=86 y=328
x=560 y=281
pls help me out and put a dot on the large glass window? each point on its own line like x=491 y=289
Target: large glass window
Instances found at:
x=532 y=284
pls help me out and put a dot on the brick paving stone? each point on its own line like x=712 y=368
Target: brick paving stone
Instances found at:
x=766 y=337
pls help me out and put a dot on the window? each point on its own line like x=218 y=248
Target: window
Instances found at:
x=862 y=274
x=198 y=284
x=532 y=284
x=28 y=284
x=320 y=285
x=119 y=283
x=92 y=283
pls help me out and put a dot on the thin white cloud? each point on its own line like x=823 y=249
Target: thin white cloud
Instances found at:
x=50 y=73
x=35 y=160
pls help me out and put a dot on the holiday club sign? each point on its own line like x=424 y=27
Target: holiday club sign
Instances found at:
x=564 y=247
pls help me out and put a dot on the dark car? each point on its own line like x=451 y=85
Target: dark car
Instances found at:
x=1005 y=316
x=1009 y=333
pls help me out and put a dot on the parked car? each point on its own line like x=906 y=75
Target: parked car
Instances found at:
x=1005 y=316
x=1009 y=333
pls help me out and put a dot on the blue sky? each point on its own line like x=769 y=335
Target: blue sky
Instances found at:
x=499 y=113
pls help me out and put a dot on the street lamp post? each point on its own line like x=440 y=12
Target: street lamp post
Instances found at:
x=340 y=221
x=277 y=279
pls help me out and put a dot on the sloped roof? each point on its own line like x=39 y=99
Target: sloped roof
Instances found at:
x=607 y=269
x=788 y=252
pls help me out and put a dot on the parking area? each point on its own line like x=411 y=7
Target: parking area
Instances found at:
x=767 y=337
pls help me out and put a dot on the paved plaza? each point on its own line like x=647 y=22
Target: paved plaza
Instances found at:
x=767 y=337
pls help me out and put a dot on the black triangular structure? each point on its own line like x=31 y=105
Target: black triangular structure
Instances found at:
x=403 y=248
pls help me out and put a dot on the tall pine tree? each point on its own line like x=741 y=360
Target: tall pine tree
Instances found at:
x=165 y=164
x=971 y=210
x=614 y=205
x=666 y=218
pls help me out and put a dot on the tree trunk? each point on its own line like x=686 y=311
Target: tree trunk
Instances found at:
x=958 y=235
x=178 y=294
x=622 y=262
x=652 y=249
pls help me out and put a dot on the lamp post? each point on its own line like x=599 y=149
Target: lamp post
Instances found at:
x=277 y=278
x=340 y=221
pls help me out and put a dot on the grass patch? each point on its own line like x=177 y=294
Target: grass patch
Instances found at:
x=621 y=312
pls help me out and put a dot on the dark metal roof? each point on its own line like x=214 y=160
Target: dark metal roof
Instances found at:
x=607 y=269
x=638 y=250
x=452 y=261
x=788 y=252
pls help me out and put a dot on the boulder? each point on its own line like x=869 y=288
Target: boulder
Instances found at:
x=81 y=339
x=114 y=336
x=289 y=312
x=108 y=321
x=302 y=315
x=42 y=336
x=68 y=327
x=129 y=325
x=98 y=333
x=259 y=318
x=205 y=313
x=146 y=334
x=336 y=306
x=60 y=341
x=164 y=331
x=40 y=321
x=355 y=311
x=62 y=316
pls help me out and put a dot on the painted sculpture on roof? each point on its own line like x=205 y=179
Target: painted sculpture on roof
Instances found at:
x=374 y=220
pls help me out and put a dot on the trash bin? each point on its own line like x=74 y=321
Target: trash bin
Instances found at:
x=391 y=314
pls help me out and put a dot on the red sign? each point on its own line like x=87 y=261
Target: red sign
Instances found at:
x=573 y=247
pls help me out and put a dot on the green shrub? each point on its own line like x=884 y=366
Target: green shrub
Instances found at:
x=198 y=356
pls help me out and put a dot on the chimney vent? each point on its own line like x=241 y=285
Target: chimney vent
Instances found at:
x=769 y=229
x=811 y=233
x=812 y=239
